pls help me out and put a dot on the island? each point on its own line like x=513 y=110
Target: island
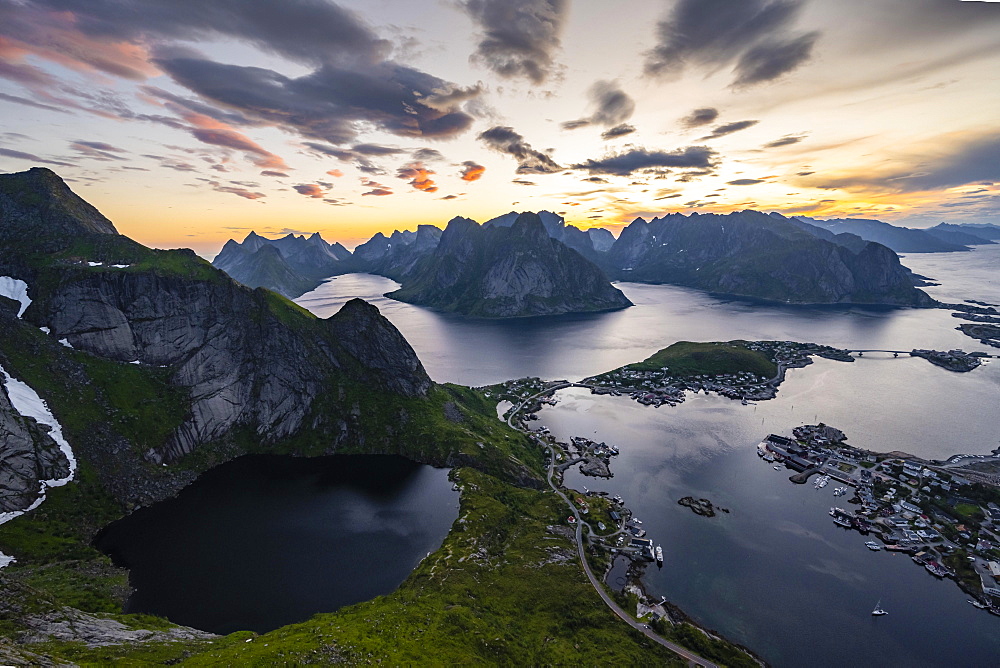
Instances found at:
x=701 y=507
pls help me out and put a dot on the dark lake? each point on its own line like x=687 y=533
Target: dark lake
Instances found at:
x=265 y=541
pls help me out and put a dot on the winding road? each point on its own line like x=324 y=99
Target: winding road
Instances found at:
x=687 y=655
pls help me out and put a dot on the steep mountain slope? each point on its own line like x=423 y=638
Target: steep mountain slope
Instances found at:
x=583 y=242
x=500 y=271
x=899 y=239
x=230 y=362
x=290 y=265
x=395 y=256
x=753 y=254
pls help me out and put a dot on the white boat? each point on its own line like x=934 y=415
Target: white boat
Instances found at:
x=659 y=555
x=776 y=467
x=840 y=491
x=873 y=546
x=878 y=611
x=977 y=603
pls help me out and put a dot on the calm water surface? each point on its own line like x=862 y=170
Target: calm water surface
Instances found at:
x=265 y=541
x=776 y=573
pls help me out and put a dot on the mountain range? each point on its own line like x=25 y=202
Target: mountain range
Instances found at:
x=509 y=269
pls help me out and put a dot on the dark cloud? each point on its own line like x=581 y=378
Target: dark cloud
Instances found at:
x=427 y=155
x=472 y=171
x=310 y=190
x=702 y=116
x=596 y=179
x=308 y=31
x=523 y=182
x=745 y=182
x=618 y=131
x=692 y=157
x=756 y=37
x=222 y=168
x=270 y=172
x=377 y=189
x=378 y=192
x=21 y=155
x=519 y=37
x=418 y=175
x=375 y=149
x=449 y=197
x=785 y=141
x=504 y=139
x=612 y=106
x=728 y=129
x=328 y=103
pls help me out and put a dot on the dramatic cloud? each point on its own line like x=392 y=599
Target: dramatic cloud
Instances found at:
x=728 y=129
x=21 y=155
x=94 y=31
x=328 y=103
x=698 y=117
x=612 y=106
x=756 y=37
x=529 y=161
x=418 y=176
x=519 y=37
x=472 y=171
x=378 y=192
x=745 y=182
x=618 y=131
x=310 y=190
x=623 y=164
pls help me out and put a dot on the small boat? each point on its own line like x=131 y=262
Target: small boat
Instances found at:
x=878 y=611
x=768 y=457
x=659 y=555
x=873 y=546
x=776 y=467
x=978 y=604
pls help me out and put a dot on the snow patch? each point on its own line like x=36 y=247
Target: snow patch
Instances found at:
x=66 y=343
x=121 y=266
x=27 y=402
x=16 y=289
x=135 y=362
x=45 y=330
x=95 y=264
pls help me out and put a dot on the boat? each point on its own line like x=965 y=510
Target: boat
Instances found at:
x=822 y=481
x=840 y=520
x=878 y=611
x=776 y=467
x=659 y=555
x=768 y=457
x=978 y=604
x=936 y=569
x=840 y=491
x=873 y=546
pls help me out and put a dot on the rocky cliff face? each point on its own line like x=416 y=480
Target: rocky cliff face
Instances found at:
x=499 y=271
x=28 y=454
x=40 y=202
x=752 y=254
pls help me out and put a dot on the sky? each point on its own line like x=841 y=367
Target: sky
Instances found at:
x=189 y=122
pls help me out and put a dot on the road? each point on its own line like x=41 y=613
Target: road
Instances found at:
x=687 y=655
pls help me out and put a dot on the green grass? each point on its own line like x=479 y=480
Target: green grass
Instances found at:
x=686 y=358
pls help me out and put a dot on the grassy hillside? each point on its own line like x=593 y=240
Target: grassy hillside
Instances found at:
x=685 y=358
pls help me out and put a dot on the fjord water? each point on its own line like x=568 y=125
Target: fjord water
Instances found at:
x=775 y=574
x=265 y=541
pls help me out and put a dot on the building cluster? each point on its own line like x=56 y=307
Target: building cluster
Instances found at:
x=950 y=525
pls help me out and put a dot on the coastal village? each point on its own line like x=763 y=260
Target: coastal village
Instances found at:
x=945 y=514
